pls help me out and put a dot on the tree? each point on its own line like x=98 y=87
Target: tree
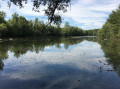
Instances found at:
x=111 y=29
x=3 y=27
x=2 y=17
x=66 y=25
x=18 y=26
x=52 y=7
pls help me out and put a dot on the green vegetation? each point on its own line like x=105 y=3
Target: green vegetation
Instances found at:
x=19 y=26
x=111 y=29
x=93 y=32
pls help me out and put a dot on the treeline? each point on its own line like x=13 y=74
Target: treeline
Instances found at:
x=19 y=26
x=111 y=29
x=92 y=32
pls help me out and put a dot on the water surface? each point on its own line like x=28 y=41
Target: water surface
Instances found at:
x=59 y=63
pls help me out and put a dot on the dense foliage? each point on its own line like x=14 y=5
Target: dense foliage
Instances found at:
x=92 y=32
x=111 y=29
x=19 y=26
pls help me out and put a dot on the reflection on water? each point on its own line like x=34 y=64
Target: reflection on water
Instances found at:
x=112 y=53
x=59 y=63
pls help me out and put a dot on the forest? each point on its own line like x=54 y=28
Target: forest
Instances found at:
x=15 y=27
x=19 y=26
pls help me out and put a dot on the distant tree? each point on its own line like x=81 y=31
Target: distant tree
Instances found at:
x=2 y=17
x=36 y=25
x=66 y=25
x=3 y=27
x=18 y=26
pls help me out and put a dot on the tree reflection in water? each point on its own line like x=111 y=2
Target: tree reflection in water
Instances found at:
x=111 y=50
x=20 y=46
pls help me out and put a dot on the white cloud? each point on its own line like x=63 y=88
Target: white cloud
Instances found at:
x=92 y=13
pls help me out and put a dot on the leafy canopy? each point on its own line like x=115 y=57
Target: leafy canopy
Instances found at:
x=111 y=29
x=2 y=17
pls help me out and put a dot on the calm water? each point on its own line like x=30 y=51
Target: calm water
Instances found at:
x=59 y=63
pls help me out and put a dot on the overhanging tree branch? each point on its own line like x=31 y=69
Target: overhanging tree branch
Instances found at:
x=50 y=12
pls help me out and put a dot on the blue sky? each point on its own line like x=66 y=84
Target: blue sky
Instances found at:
x=85 y=14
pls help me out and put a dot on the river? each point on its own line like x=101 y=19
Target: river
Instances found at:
x=59 y=63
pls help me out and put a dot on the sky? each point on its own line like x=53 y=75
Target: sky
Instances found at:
x=85 y=14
